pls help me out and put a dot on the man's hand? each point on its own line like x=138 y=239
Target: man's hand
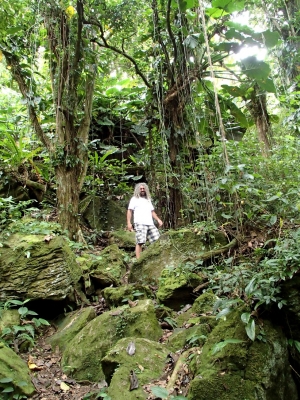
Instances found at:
x=130 y=227
x=160 y=223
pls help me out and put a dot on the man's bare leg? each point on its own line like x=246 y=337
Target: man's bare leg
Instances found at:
x=138 y=250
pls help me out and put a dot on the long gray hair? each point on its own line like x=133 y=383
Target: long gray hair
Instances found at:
x=137 y=190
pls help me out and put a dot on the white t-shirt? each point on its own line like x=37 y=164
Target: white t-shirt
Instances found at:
x=142 y=210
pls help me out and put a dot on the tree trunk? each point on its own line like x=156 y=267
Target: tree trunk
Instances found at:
x=259 y=112
x=68 y=201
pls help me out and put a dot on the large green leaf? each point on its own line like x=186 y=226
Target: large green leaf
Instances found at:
x=215 y=12
x=267 y=85
x=228 y=47
x=255 y=69
x=250 y=329
x=268 y=38
x=239 y=27
x=229 y=5
x=235 y=91
x=238 y=115
x=233 y=34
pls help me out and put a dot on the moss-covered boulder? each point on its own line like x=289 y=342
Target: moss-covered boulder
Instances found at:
x=204 y=304
x=175 y=287
x=147 y=362
x=105 y=269
x=188 y=337
x=173 y=248
x=123 y=239
x=69 y=326
x=115 y=297
x=103 y=215
x=249 y=370
x=13 y=368
x=35 y=268
x=8 y=318
x=82 y=357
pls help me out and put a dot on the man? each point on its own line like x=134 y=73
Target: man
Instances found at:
x=143 y=212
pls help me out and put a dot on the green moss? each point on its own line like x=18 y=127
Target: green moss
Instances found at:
x=204 y=303
x=124 y=239
x=188 y=337
x=175 y=287
x=148 y=363
x=103 y=270
x=82 y=357
x=170 y=251
x=69 y=326
x=115 y=297
x=50 y=267
x=12 y=366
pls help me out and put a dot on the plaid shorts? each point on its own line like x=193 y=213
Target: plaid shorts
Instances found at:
x=144 y=232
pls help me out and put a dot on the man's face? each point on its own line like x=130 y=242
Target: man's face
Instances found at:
x=142 y=191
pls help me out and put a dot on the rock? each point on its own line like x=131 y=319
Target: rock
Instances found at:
x=82 y=357
x=204 y=304
x=124 y=239
x=175 y=287
x=188 y=337
x=103 y=215
x=256 y=370
x=173 y=248
x=148 y=363
x=104 y=270
x=115 y=297
x=32 y=268
x=69 y=326
x=12 y=366
x=8 y=318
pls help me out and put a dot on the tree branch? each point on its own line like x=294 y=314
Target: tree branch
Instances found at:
x=16 y=71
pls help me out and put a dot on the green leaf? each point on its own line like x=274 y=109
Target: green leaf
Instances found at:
x=159 y=392
x=249 y=289
x=250 y=329
x=229 y=5
x=23 y=311
x=255 y=69
x=222 y=314
x=9 y=389
x=267 y=85
x=235 y=91
x=270 y=39
x=6 y=380
x=245 y=317
x=297 y=345
x=215 y=12
x=219 y=346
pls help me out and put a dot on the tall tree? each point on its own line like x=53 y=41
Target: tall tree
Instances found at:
x=72 y=69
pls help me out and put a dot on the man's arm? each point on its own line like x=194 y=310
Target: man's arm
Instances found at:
x=159 y=221
x=129 y=217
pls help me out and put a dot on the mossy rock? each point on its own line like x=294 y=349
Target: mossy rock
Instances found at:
x=176 y=286
x=105 y=269
x=115 y=297
x=70 y=326
x=172 y=249
x=248 y=370
x=103 y=215
x=82 y=357
x=123 y=239
x=148 y=363
x=191 y=337
x=8 y=318
x=31 y=267
x=204 y=304
x=13 y=367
